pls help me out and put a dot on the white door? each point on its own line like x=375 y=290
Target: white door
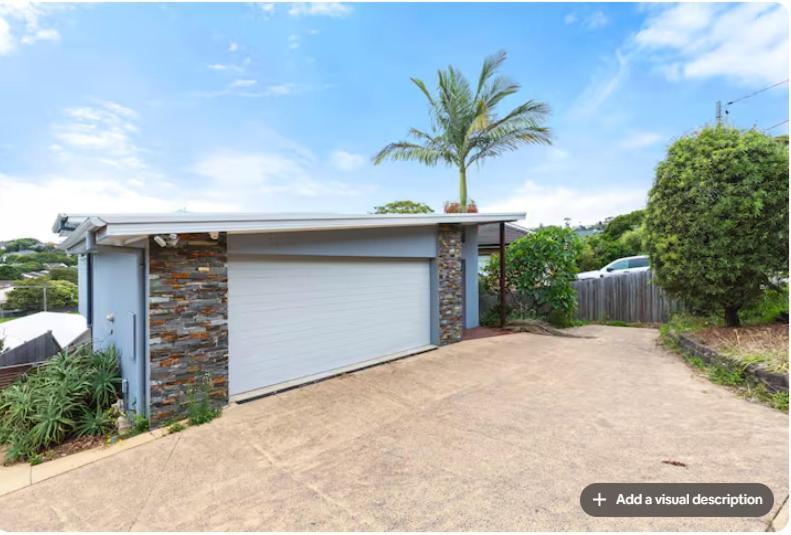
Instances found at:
x=293 y=318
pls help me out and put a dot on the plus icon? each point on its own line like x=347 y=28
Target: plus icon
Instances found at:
x=598 y=499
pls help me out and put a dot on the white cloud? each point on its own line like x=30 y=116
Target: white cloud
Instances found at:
x=268 y=8
x=639 y=140
x=242 y=83
x=103 y=133
x=24 y=19
x=601 y=88
x=347 y=161
x=233 y=46
x=550 y=205
x=6 y=39
x=327 y=9
x=221 y=66
x=246 y=174
x=747 y=42
x=293 y=41
x=29 y=206
x=48 y=34
x=570 y=18
x=596 y=20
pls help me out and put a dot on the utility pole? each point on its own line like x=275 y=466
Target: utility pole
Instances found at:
x=45 y=298
x=718 y=112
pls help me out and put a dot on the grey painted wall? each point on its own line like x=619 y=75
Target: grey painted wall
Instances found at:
x=407 y=242
x=119 y=316
x=469 y=253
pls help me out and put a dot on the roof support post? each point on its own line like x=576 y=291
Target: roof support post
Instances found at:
x=502 y=274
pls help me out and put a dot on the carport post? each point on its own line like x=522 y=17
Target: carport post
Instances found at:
x=502 y=274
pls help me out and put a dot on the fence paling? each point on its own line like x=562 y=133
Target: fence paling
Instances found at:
x=630 y=297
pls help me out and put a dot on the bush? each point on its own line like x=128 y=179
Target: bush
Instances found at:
x=68 y=396
x=29 y=295
x=539 y=270
x=717 y=219
x=64 y=274
x=771 y=306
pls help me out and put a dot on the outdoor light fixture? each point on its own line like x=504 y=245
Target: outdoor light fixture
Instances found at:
x=214 y=235
x=160 y=241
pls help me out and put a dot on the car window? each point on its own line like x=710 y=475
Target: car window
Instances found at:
x=638 y=262
x=620 y=264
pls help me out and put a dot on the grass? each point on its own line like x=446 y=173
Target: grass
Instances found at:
x=721 y=374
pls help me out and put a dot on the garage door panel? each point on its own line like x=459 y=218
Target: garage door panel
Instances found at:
x=294 y=317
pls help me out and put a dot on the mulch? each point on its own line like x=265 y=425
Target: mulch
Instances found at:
x=73 y=446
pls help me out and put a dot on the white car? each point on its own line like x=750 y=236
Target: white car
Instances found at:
x=630 y=264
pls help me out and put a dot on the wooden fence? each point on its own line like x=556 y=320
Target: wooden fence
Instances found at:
x=630 y=297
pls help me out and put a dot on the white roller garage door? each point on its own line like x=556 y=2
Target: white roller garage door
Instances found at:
x=299 y=318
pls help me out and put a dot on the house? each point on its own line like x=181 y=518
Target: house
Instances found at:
x=489 y=240
x=256 y=303
x=67 y=329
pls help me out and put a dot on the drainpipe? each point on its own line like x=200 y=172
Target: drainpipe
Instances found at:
x=90 y=248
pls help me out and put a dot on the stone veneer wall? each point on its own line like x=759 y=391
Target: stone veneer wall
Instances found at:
x=451 y=282
x=188 y=322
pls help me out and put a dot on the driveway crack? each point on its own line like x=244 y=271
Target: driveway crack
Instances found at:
x=153 y=487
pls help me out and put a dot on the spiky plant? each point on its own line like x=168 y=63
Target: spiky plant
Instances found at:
x=96 y=422
x=465 y=127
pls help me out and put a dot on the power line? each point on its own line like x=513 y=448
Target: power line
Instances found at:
x=745 y=97
x=719 y=108
x=776 y=125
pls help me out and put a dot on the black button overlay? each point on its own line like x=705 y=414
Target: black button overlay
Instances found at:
x=676 y=499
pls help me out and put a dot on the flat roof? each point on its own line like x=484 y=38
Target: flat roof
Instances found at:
x=124 y=229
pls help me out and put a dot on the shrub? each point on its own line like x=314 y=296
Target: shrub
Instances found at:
x=539 y=270
x=717 y=219
x=29 y=295
x=403 y=207
x=771 y=306
x=200 y=409
x=176 y=427
x=68 y=396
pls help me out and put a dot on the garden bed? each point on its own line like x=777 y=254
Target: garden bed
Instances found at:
x=752 y=371
x=765 y=345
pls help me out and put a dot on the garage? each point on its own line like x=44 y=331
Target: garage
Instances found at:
x=294 y=319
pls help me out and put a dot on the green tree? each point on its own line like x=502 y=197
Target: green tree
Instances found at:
x=717 y=219
x=22 y=244
x=465 y=126
x=403 y=207
x=29 y=295
x=539 y=270
x=8 y=273
x=64 y=274
x=622 y=223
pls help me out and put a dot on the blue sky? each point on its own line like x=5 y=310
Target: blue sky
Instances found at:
x=279 y=107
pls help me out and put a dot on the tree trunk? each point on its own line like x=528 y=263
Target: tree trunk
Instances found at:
x=732 y=317
x=463 y=188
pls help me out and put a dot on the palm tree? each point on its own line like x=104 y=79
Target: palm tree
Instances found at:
x=465 y=127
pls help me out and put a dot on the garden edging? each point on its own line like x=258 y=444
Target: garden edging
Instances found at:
x=21 y=475
x=774 y=382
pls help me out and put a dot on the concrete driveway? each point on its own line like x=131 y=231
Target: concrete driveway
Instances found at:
x=492 y=434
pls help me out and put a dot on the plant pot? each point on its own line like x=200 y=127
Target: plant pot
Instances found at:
x=453 y=207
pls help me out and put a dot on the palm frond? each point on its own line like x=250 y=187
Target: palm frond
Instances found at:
x=490 y=66
x=406 y=151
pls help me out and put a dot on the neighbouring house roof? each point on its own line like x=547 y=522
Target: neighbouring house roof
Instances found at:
x=66 y=328
x=489 y=235
x=123 y=229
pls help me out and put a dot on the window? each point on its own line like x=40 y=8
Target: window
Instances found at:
x=638 y=262
x=620 y=264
